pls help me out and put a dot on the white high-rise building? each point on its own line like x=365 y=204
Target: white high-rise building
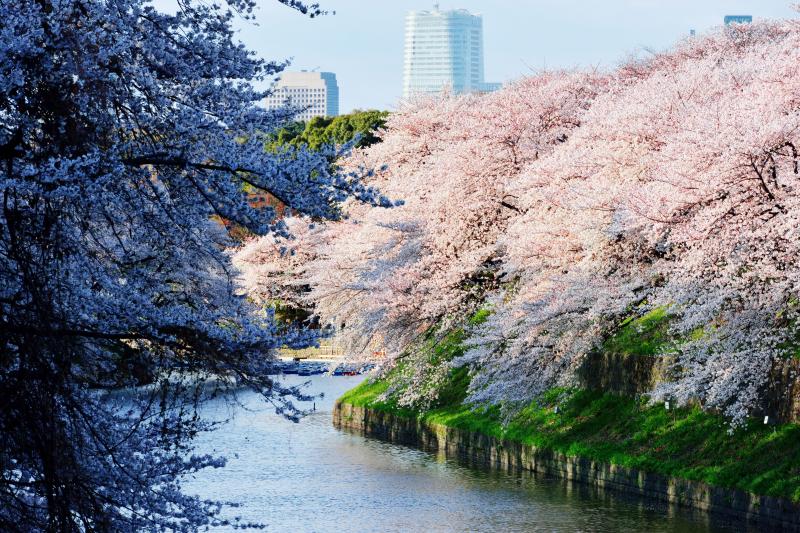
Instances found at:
x=317 y=93
x=444 y=49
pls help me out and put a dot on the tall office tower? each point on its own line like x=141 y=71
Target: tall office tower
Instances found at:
x=444 y=49
x=317 y=93
x=738 y=19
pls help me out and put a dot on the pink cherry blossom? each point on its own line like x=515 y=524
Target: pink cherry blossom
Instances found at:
x=568 y=201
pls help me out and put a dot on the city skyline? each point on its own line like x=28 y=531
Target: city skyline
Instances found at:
x=364 y=45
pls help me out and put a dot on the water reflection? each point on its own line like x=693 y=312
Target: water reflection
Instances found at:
x=312 y=477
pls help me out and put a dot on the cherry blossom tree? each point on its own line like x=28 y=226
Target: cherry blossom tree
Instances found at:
x=450 y=160
x=672 y=193
x=721 y=187
x=571 y=201
x=123 y=131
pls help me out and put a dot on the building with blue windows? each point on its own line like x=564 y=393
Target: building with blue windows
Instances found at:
x=444 y=49
x=738 y=19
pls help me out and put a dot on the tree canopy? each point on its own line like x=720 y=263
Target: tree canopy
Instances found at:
x=570 y=203
x=123 y=131
x=339 y=130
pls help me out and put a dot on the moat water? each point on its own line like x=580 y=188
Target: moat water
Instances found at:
x=311 y=477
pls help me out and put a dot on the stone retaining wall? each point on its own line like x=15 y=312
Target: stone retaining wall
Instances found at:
x=624 y=374
x=496 y=453
x=630 y=375
x=783 y=393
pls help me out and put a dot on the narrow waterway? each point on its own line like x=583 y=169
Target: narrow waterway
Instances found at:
x=310 y=477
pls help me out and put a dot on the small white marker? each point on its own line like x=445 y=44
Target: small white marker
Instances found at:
x=766 y=420
x=666 y=406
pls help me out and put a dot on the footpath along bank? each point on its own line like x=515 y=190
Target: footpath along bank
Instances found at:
x=605 y=434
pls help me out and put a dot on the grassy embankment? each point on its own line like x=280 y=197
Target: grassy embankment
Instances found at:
x=686 y=442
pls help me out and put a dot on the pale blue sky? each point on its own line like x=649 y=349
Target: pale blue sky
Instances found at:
x=363 y=42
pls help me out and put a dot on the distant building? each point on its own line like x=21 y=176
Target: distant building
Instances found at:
x=316 y=93
x=738 y=19
x=488 y=87
x=444 y=49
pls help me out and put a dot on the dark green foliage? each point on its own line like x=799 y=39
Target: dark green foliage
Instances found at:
x=338 y=130
x=290 y=314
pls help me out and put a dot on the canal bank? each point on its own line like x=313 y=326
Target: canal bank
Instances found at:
x=603 y=431
x=476 y=448
x=311 y=477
